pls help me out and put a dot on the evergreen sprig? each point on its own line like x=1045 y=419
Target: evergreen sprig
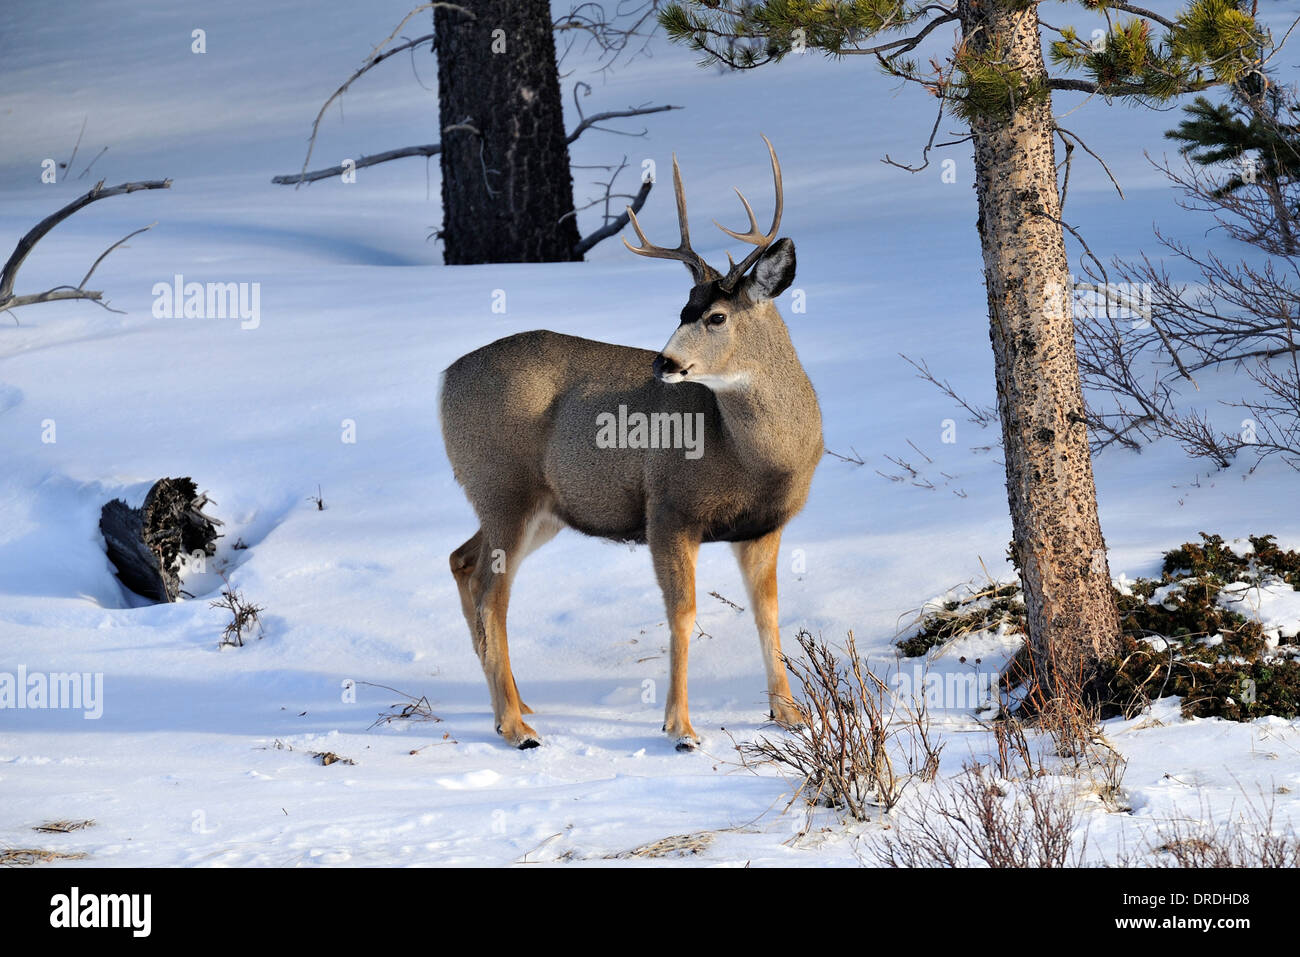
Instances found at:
x=1210 y=43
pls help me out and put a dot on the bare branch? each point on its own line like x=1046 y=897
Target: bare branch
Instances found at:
x=293 y=179
x=613 y=34
x=371 y=62
x=82 y=174
x=1122 y=89
x=76 y=146
x=1074 y=136
x=1142 y=12
x=896 y=48
x=25 y=245
x=929 y=145
x=615 y=226
x=406 y=19
x=104 y=255
x=376 y=57
x=588 y=122
x=983 y=416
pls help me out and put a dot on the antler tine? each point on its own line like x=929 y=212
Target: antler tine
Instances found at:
x=701 y=270
x=753 y=235
x=680 y=193
x=759 y=239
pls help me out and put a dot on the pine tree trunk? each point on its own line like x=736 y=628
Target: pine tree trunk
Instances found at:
x=506 y=184
x=1073 y=622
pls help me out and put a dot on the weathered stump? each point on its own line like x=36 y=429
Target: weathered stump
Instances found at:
x=145 y=544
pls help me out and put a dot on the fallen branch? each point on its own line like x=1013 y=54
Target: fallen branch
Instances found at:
x=25 y=245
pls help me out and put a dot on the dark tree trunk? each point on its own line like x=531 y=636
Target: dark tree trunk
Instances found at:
x=506 y=184
x=1073 y=622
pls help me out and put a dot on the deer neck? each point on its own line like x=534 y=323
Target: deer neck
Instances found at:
x=770 y=418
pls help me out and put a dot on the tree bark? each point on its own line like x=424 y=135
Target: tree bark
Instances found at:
x=146 y=544
x=1058 y=545
x=506 y=184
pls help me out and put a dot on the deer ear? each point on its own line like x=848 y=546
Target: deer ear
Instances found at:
x=773 y=272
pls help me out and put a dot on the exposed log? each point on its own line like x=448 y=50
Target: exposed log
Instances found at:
x=145 y=544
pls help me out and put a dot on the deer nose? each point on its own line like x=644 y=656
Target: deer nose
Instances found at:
x=665 y=366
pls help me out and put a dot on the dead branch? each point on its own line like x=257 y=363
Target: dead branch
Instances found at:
x=983 y=416
x=432 y=149
x=925 y=151
x=295 y=179
x=1074 y=136
x=613 y=34
x=25 y=245
x=615 y=226
x=589 y=122
x=373 y=61
x=377 y=56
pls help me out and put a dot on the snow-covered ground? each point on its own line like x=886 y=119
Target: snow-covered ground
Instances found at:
x=203 y=756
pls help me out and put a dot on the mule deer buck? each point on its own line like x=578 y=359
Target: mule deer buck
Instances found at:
x=522 y=422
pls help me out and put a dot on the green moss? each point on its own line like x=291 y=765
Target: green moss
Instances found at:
x=986 y=610
x=1224 y=688
x=1212 y=657
x=1214 y=558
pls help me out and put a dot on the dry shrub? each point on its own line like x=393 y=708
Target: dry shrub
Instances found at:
x=411 y=709
x=840 y=751
x=986 y=820
x=327 y=758
x=23 y=856
x=244 y=616
x=678 y=845
x=1253 y=839
x=63 y=827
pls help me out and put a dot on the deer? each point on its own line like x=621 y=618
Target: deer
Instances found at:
x=522 y=418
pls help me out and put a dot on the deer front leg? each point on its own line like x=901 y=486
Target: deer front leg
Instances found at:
x=758 y=559
x=674 y=552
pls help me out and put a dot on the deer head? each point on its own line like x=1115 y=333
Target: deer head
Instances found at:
x=729 y=326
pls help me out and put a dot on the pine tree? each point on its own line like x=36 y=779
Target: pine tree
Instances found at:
x=1251 y=132
x=996 y=80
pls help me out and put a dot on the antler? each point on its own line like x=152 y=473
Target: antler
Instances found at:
x=701 y=270
x=760 y=240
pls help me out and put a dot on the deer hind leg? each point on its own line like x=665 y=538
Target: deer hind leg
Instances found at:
x=758 y=560
x=463 y=563
x=485 y=600
x=674 y=553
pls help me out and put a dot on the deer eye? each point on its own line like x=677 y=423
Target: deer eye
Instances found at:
x=716 y=319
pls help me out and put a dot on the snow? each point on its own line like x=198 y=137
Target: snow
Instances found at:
x=357 y=319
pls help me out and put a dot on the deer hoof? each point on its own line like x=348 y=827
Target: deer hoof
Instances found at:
x=686 y=742
x=521 y=737
x=789 y=720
